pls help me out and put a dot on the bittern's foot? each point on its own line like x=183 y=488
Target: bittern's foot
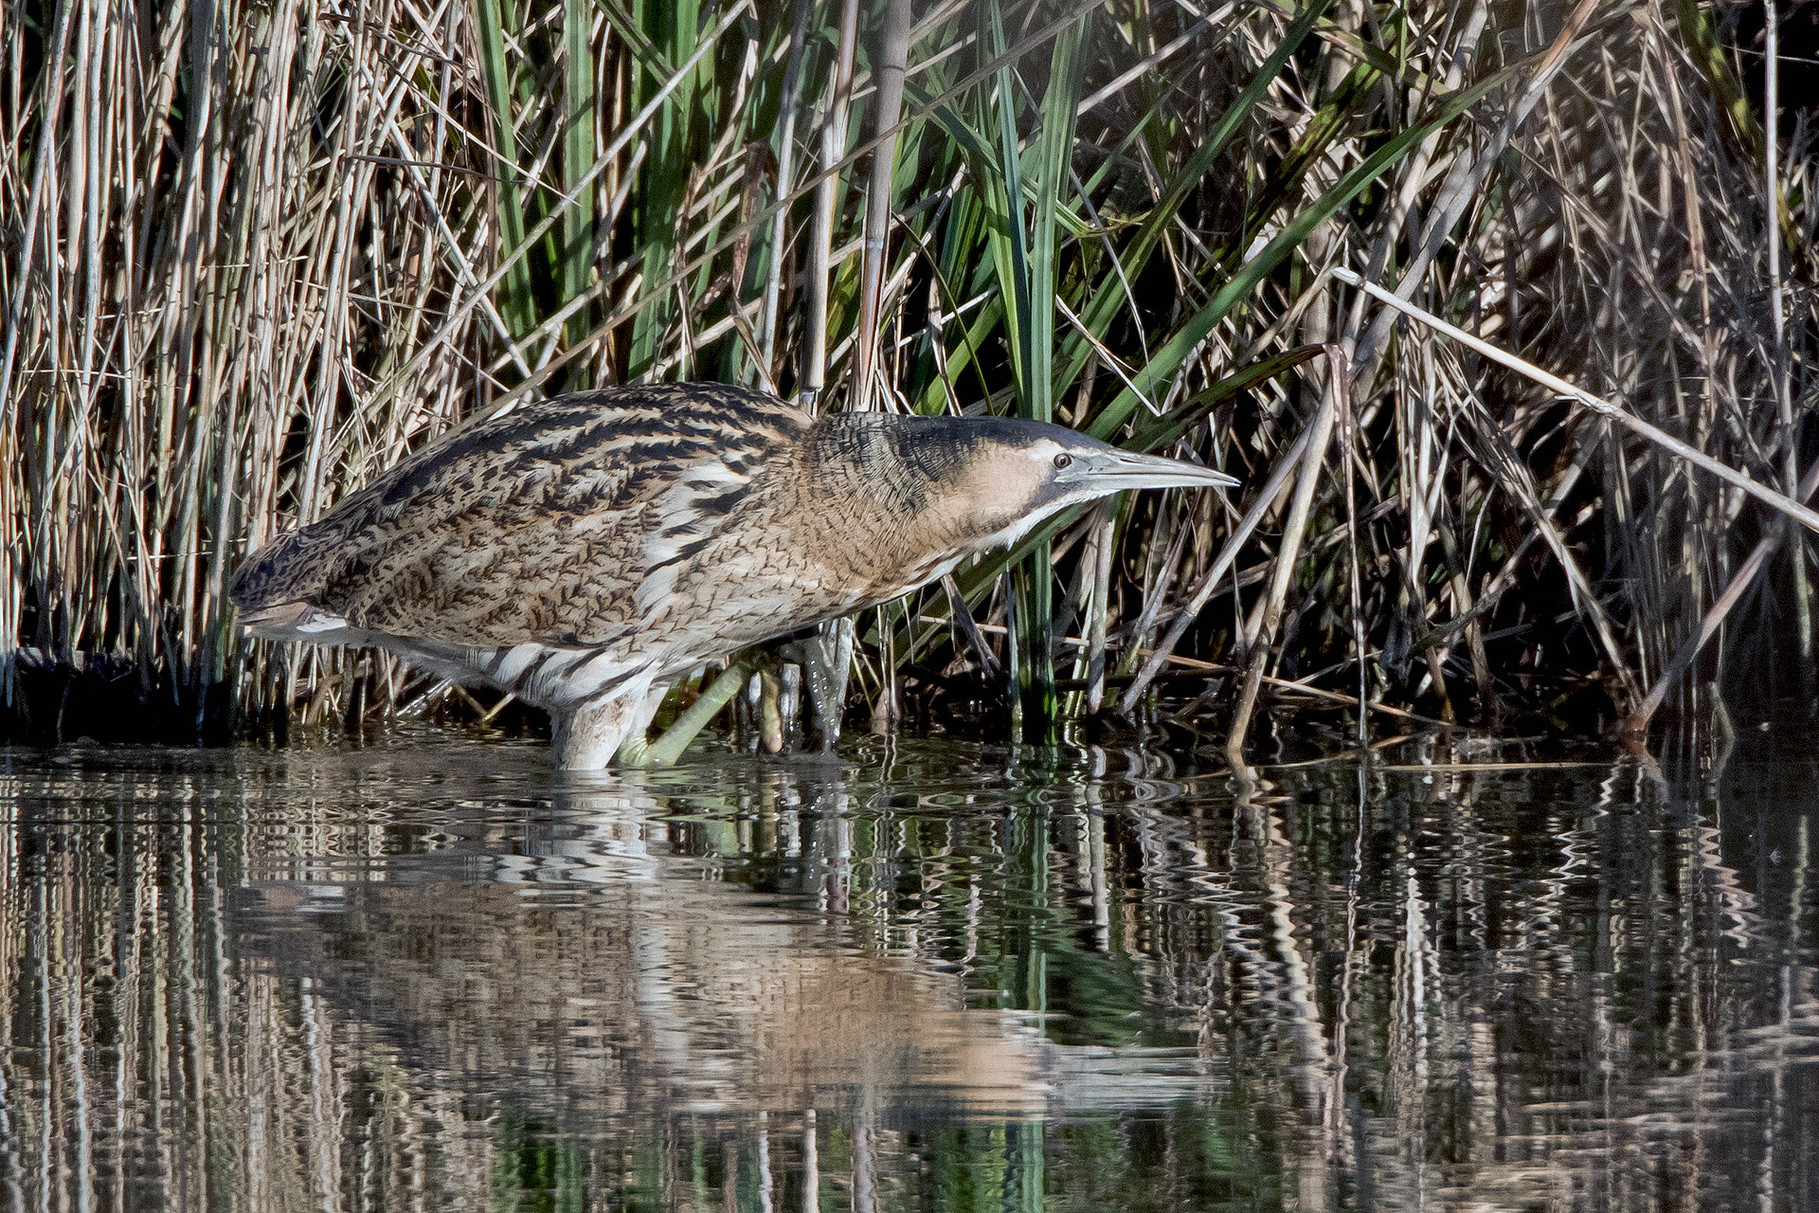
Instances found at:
x=826 y=657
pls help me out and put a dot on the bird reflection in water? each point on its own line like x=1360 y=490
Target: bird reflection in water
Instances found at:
x=580 y=963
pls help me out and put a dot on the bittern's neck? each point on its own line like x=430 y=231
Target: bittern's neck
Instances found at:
x=894 y=482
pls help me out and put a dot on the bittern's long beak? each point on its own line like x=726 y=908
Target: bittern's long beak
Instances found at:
x=1115 y=471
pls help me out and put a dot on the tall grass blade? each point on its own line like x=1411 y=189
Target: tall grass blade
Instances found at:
x=1026 y=263
x=580 y=116
x=1167 y=359
x=517 y=306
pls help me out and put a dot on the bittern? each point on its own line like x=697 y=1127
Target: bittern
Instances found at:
x=582 y=552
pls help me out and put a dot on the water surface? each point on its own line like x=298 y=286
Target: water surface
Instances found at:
x=431 y=975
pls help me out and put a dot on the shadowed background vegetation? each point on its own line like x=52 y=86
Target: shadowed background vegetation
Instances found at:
x=255 y=253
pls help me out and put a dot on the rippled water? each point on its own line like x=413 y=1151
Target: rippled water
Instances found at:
x=431 y=975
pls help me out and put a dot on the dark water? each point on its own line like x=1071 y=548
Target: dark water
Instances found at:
x=430 y=976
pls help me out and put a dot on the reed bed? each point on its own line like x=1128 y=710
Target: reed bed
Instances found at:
x=258 y=252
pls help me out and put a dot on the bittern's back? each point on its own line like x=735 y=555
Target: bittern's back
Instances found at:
x=553 y=524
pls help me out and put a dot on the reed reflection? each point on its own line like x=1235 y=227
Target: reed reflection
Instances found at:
x=937 y=978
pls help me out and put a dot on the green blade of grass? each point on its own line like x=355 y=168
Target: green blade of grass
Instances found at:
x=1098 y=314
x=516 y=305
x=1168 y=359
x=580 y=115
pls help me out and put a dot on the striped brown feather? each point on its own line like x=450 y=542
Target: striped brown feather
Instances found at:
x=528 y=527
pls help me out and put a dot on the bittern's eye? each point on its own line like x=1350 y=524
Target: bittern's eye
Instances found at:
x=1063 y=459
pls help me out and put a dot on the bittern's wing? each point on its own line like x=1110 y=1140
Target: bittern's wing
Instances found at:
x=538 y=527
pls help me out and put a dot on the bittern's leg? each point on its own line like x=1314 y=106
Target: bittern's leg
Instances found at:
x=586 y=739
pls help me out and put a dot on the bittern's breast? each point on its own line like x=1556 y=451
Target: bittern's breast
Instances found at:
x=784 y=559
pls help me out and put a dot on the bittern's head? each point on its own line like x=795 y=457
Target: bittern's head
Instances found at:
x=988 y=480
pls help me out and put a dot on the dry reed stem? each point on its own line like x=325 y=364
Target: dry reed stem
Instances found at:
x=893 y=56
x=1293 y=532
x=1604 y=408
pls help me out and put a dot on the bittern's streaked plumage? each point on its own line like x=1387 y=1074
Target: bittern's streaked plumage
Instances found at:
x=582 y=552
